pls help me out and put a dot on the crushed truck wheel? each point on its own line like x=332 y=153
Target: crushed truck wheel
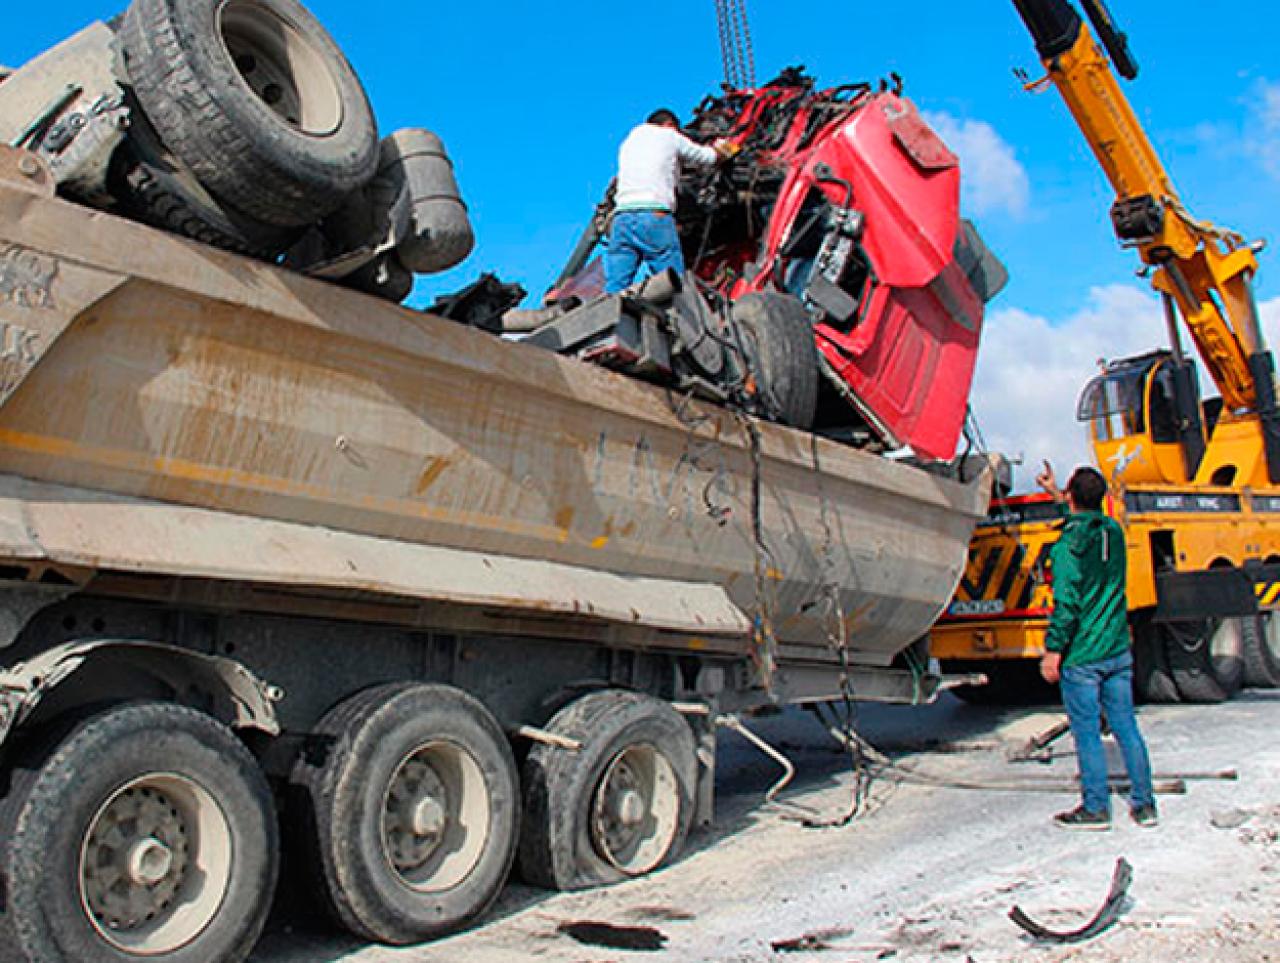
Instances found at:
x=780 y=334
x=147 y=833
x=257 y=99
x=411 y=811
x=1262 y=651
x=618 y=807
x=1206 y=658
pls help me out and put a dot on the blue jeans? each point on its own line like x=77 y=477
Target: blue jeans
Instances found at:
x=640 y=238
x=1087 y=692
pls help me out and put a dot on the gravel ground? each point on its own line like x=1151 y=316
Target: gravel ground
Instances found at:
x=927 y=873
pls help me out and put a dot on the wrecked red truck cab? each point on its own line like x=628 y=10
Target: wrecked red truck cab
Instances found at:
x=846 y=201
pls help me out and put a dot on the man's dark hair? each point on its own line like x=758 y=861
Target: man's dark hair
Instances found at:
x=1088 y=488
x=664 y=116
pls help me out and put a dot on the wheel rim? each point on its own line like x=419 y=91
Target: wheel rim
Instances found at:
x=155 y=864
x=1270 y=625
x=435 y=817
x=635 y=811
x=1226 y=646
x=282 y=67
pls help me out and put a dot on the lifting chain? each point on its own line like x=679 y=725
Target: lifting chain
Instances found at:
x=735 y=44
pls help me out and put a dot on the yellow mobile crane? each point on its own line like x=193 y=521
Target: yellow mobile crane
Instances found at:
x=1195 y=484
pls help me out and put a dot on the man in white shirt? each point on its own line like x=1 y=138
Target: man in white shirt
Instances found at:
x=644 y=226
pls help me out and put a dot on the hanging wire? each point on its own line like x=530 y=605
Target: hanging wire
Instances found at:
x=838 y=641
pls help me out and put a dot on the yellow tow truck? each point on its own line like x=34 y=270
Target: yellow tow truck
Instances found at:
x=1196 y=484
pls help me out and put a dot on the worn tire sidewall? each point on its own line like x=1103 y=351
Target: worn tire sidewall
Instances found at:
x=145 y=159
x=379 y=744
x=569 y=780
x=1262 y=661
x=1152 y=679
x=101 y=755
x=781 y=336
x=336 y=163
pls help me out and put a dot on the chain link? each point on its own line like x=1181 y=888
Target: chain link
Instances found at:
x=736 y=51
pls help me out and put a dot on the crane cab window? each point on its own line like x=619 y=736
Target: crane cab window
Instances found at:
x=1112 y=405
x=1162 y=408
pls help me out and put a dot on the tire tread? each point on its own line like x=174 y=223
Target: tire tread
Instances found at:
x=197 y=129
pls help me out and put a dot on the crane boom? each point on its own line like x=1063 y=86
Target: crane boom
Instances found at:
x=1203 y=271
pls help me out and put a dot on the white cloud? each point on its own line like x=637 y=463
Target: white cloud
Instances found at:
x=993 y=177
x=1270 y=312
x=1264 y=141
x=1030 y=372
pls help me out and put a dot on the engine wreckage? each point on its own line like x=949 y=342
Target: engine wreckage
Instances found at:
x=833 y=286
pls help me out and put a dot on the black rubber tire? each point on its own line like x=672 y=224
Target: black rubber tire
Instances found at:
x=1009 y=683
x=341 y=792
x=239 y=147
x=1262 y=651
x=153 y=188
x=58 y=790
x=556 y=846
x=1206 y=658
x=1152 y=679
x=778 y=331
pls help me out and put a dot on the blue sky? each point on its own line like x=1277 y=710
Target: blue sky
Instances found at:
x=532 y=99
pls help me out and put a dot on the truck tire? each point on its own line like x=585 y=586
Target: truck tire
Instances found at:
x=257 y=99
x=778 y=331
x=410 y=813
x=617 y=808
x=146 y=833
x=1206 y=658
x=1152 y=680
x=1262 y=651
x=154 y=193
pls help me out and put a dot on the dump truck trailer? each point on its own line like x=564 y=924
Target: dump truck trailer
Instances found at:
x=277 y=553
x=439 y=597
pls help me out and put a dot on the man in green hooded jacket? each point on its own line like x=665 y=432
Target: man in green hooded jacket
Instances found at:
x=1087 y=650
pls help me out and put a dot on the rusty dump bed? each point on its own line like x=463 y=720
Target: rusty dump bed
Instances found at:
x=167 y=409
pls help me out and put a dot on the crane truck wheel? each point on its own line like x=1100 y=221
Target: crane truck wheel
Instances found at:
x=1152 y=679
x=1262 y=651
x=779 y=333
x=1206 y=657
x=617 y=808
x=256 y=98
x=144 y=833
x=410 y=817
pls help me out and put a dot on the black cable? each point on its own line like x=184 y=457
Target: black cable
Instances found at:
x=838 y=641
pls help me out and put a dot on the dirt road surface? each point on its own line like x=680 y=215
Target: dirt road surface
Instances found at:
x=928 y=873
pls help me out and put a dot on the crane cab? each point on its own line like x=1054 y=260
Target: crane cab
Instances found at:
x=1132 y=410
x=1149 y=427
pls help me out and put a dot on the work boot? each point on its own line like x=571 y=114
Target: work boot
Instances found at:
x=1081 y=818
x=1145 y=816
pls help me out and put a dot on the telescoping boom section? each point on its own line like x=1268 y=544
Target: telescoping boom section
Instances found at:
x=1203 y=273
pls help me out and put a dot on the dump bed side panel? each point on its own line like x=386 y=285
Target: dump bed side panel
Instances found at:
x=168 y=372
